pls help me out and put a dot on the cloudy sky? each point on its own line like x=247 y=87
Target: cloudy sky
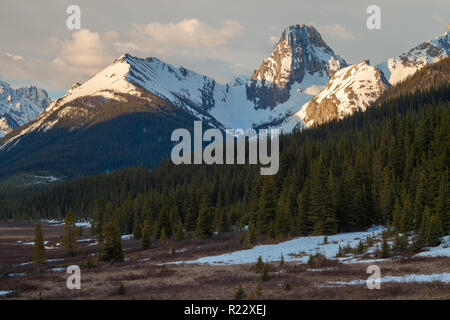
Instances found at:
x=221 y=39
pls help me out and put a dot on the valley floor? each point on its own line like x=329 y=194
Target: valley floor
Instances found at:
x=214 y=269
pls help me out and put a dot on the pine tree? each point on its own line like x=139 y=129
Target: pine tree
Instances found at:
x=265 y=273
x=259 y=264
x=204 y=227
x=137 y=229
x=240 y=293
x=385 y=249
x=282 y=221
x=146 y=241
x=435 y=231
x=112 y=248
x=251 y=233
x=70 y=233
x=267 y=206
x=179 y=236
x=39 y=254
x=163 y=236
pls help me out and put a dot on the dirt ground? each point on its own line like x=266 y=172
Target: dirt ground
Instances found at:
x=146 y=275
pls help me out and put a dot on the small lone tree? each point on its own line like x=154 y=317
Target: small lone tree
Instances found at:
x=179 y=236
x=163 y=236
x=146 y=242
x=121 y=289
x=265 y=274
x=385 y=249
x=251 y=233
x=70 y=234
x=39 y=254
x=281 y=261
x=240 y=293
x=259 y=264
x=112 y=249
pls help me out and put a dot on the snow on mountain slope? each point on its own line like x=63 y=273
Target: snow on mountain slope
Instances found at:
x=19 y=106
x=301 y=64
x=398 y=68
x=350 y=89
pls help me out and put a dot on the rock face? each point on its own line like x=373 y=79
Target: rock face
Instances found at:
x=398 y=68
x=19 y=106
x=351 y=89
x=300 y=50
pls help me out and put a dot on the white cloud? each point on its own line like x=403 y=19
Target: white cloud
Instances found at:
x=335 y=30
x=14 y=57
x=85 y=52
x=186 y=34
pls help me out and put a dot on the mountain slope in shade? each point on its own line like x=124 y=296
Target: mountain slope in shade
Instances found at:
x=398 y=68
x=19 y=106
x=351 y=89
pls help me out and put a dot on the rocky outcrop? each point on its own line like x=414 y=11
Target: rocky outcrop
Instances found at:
x=349 y=90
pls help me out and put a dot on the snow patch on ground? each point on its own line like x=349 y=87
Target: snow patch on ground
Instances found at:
x=440 y=277
x=297 y=249
x=443 y=250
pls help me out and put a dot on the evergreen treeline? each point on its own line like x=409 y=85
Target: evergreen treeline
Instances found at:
x=388 y=165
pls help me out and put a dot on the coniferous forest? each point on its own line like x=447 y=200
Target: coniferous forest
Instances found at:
x=388 y=165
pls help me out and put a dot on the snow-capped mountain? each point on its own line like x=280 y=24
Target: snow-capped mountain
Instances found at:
x=351 y=89
x=136 y=103
x=398 y=68
x=19 y=106
x=300 y=56
x=300 y=65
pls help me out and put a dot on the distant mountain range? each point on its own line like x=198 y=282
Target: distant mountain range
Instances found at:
x=19 y=106
x=134 y=104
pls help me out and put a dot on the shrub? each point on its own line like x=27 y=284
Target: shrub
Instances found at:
x=240 y=293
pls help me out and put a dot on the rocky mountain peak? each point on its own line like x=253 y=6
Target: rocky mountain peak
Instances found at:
x=299 y=53
x=300 y=49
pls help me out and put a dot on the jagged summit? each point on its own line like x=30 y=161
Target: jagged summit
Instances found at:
x=19 y=106
x=300 y=49
x=447 y=29
x=301 y=57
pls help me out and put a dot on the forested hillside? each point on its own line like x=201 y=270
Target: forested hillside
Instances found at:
x=388 y=165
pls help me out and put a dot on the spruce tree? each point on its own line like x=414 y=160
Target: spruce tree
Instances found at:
x=112 y=248
x=70 y=232
x=179 y=236
x=39 y=254
x=204 y=227
x=146 y=241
